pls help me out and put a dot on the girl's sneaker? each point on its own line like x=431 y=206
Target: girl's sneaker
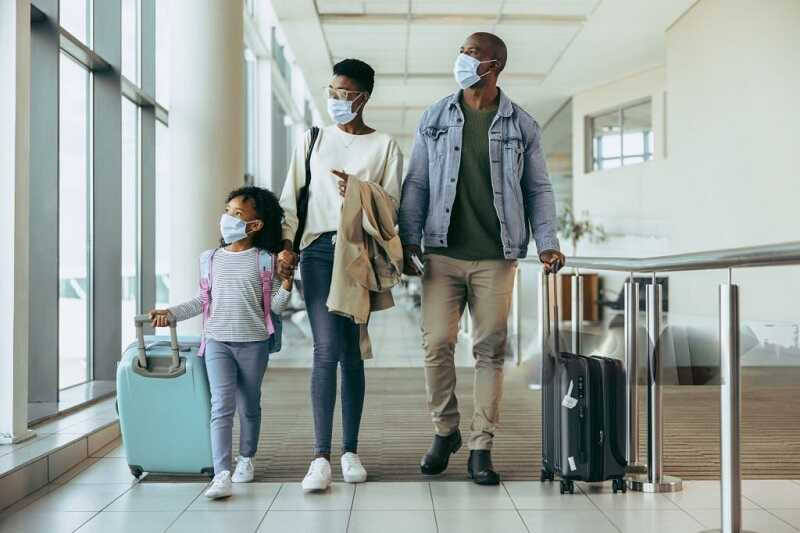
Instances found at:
x=352 y=469
x=244 y=470
x=318 y=476
x=220 y=486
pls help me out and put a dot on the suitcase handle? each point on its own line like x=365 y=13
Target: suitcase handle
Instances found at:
x=556 y=334
x=139 y=321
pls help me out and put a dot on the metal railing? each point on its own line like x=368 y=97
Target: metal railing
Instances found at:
x=651 y=478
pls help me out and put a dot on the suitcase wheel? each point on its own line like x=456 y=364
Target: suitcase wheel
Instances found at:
x=567 y=486
x=619 y=485
x=136 y=471
x=544 y=475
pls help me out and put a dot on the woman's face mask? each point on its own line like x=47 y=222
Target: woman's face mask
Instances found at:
x=465 y=70
x=232 y=229
x=341 y=111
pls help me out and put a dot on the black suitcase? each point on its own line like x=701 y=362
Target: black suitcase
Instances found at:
x=583 y=417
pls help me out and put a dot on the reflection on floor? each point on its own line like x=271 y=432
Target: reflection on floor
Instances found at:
x=99 y=496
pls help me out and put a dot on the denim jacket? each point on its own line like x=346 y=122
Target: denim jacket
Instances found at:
x=523 y=194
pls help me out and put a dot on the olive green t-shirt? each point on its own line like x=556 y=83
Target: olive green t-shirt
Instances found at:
x=474 y=232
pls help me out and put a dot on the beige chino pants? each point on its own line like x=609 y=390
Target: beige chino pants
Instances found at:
x=448 y=286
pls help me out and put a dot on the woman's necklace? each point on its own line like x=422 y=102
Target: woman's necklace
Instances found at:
x=347 y=145
x=355 y=136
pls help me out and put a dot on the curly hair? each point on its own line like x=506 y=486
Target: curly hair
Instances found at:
x=269 y=212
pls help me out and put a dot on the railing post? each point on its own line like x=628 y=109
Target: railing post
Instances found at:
x=577 y=311
x=632 y=377
x=730 y=410
x=654 y=480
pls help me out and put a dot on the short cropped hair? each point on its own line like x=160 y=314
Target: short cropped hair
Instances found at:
x=358 y=71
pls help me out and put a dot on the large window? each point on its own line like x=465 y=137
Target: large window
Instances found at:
x=74 y=235
x=162 y=52
x=130 y=39
x=74 y=17
x=163 y=216
x=95 y=157
x=130 y=218
x=622 y=137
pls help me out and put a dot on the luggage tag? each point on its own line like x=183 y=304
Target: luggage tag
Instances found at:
x=569 y=402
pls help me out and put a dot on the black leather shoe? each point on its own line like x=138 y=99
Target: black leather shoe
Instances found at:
x=436 y=459
x=480 y=468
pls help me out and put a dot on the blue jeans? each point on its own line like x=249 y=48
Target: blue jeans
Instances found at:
x=336 y=343
x=235 y=371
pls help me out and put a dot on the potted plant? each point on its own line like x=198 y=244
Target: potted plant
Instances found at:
x=575 y=230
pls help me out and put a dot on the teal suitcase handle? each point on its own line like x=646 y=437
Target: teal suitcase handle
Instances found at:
x=176 y=368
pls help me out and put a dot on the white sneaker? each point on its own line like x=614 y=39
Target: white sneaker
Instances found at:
x=352 y=469
x=220 y=486
x=244 y=470
x=318 y=476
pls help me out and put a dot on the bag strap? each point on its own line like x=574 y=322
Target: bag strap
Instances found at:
x=302 y=197
x=265 y=262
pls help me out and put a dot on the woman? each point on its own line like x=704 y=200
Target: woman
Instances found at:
x=348 y=149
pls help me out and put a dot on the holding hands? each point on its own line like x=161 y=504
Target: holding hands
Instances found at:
x=287 y=262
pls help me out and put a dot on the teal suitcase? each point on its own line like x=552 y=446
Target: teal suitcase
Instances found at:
x=164 y=405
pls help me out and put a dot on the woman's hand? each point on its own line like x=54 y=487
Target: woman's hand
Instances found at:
x=287 y=262
x=160 y=318
x=342 y=183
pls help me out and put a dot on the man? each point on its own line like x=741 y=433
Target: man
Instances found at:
x=475 y=189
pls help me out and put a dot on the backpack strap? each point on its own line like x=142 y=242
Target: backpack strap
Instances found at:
x=265 y=262
x=206 y=273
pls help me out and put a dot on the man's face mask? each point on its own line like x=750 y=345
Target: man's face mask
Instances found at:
x=465 y=70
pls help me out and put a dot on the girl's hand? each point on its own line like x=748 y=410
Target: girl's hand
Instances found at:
x=160 y=318
x=342 y=183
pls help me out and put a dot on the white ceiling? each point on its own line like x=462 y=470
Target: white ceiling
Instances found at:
x=556 y=47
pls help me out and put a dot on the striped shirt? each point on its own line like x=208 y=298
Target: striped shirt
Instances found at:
x=237 y=313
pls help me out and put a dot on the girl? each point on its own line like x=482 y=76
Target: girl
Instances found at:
x=348 y=149
x=239 y=330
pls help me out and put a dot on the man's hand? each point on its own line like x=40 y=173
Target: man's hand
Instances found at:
x=552 y=260
x=342 y=183
x=409 y=268
x=160 y=318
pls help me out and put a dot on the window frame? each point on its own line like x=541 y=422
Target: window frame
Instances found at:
x=591 y=146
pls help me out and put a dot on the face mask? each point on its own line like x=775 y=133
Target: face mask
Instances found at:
x=341 y=111
x=465 y=70
x=232 y=229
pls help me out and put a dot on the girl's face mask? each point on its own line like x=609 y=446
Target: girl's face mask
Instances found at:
x=232 y=229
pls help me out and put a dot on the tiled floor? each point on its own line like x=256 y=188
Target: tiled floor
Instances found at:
x=100 y=496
